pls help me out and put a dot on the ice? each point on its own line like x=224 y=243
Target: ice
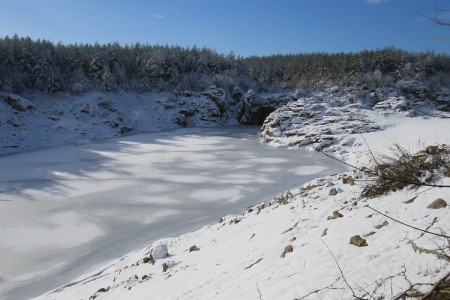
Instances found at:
x=87 y=203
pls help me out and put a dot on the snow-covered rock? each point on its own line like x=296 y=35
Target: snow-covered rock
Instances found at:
x=160 y=251
x=329 y=119
x=253 y=109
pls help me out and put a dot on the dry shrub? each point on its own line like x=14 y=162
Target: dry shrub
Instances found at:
x=401 y=169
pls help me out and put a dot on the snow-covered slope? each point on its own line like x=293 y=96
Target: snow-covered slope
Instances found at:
x=293 y=246
x=35 y=120
x=298 y=245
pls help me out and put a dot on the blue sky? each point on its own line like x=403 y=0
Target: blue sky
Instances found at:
x=245 y=27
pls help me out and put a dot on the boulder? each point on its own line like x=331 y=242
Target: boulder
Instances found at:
x=358 y=241
x=18 y=103
x=333 y=192
x=336 y=214
x=160 y=251
x=194 y=248
x=287 y=249
x=437 y=204
x=348 y=180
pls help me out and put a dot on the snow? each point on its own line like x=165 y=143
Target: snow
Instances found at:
x=239 y=260
x=243 y=255
x=72 y=207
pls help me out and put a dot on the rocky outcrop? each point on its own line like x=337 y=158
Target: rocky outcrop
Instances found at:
x=328 y=119
x=317 y=121
x=218 y=96
x=254 y=109
x=411 y=96
x=209 y=106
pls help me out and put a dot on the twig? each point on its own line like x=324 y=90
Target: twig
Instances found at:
x=328 y=287
x=259 y=292
x=370 y=151
x=248 y=267
x=438 y=254
x=410 y=292
x=340 y=270
x=429 y=226
x=423 y=230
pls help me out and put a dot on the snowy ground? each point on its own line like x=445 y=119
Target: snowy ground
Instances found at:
x=296 y=246
x=67 y=208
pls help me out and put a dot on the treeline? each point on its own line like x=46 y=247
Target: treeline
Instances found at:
x=375 y=68
x=27 y=64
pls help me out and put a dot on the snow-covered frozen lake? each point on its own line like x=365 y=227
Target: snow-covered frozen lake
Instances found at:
x=66 y=209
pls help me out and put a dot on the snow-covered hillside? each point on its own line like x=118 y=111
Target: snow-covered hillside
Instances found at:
x=319 y=241
x=35 y=120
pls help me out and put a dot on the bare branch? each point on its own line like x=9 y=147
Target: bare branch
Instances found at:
x=435 y=16
x=410 y=226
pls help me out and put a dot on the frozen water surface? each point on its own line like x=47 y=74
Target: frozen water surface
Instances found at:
x=66 y=209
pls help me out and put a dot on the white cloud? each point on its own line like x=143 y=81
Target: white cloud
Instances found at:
x=159 y=16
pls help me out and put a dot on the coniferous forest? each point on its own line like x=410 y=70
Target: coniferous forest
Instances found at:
x=30 y=65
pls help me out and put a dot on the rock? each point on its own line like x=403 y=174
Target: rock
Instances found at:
x=336 y=214
x=432 y=150
x=86 y=109
x=107 y=105
x=438 y=203
x=348 y=180
x=194 y=248
x=165 y=267
x=410 y=200
x=385 y=223
x=148 y=259
x=253 y=110
x=237 y=94
x=247 y=105
x=160 y=251
x=287 y=249
x=218 y=96
x=125 y=129
x=325 y=231
x=187 y=112
x=370 y=233
x=284 y=198
x=333 y=192
x=18 y=103
x=358 y=241
x=103 y=290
